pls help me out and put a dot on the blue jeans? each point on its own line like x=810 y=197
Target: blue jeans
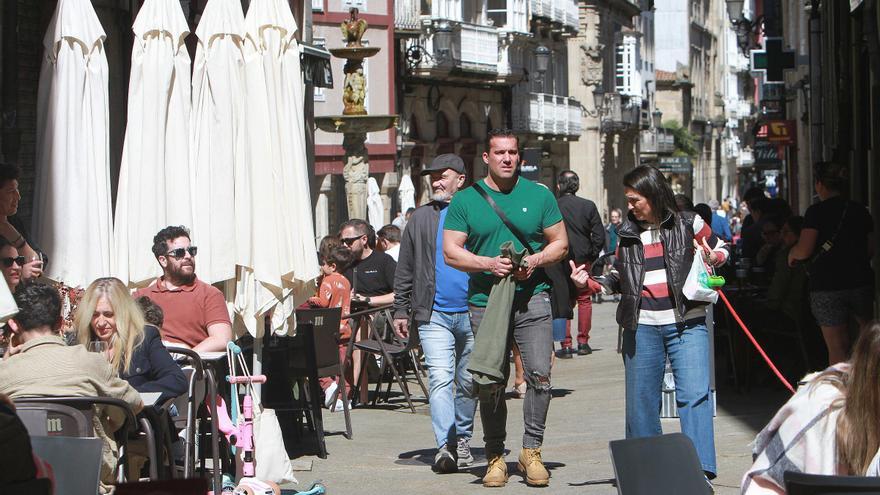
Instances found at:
x=447 y=341
x=644 y=358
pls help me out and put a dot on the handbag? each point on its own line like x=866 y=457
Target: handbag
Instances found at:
x=696 y=287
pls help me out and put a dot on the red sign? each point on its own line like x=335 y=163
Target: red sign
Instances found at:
x=782 y=132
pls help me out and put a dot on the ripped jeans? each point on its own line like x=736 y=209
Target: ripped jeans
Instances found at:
x=531 y=327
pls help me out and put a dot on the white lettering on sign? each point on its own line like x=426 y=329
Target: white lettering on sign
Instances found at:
x=53 y=425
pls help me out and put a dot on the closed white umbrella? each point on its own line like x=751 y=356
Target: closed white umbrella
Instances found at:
x=406 y=193
x=220 y=191
x=375 y=207
x=72 y=217
x=154 y=179
x=283 y=262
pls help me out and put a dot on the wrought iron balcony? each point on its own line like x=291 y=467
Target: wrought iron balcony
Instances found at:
x=622 y=113
x=657 y=141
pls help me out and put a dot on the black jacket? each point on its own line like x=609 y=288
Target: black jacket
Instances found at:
x=586 y=234
x=414 y=279
x=677 y=235
x=153 y=370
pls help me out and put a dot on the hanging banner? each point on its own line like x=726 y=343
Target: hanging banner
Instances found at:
x=781 y=132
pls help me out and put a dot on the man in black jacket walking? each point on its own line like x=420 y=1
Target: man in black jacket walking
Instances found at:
x=586 y=237
x=434 y=297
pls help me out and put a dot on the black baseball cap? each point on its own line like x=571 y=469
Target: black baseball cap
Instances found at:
x=444 y=161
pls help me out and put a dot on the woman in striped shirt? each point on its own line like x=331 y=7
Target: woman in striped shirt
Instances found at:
x=655 y=251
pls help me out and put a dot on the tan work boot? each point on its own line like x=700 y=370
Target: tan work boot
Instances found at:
x=496 y=472
x=532 y=467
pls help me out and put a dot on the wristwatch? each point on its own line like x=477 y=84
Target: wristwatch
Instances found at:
x=367 y=299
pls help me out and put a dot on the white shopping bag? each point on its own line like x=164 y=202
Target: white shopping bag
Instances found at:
x=271 y=458
x=695 y=285
x=8 y=308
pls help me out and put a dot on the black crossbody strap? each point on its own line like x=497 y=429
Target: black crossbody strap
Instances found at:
x=513 y=230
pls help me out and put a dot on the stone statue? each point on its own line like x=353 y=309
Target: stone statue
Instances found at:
x=353 y=29
x=356 y=171
x=354 y=90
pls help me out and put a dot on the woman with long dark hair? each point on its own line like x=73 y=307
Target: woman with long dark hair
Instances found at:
x=656 y=248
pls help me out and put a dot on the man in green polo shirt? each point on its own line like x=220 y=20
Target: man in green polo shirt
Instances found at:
x=472 y=237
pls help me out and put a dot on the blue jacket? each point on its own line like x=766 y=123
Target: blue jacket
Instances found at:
x=153 y=370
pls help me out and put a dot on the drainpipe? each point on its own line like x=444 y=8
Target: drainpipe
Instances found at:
x=816 y=114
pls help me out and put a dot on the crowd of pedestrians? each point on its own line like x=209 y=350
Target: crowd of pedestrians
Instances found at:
x=492 y=273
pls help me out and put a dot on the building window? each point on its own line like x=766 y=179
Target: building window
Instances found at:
x=627 y=79
x=414 y=128
x=317 y=5
x=442 y=126
x=464 y=127
x=496 y=11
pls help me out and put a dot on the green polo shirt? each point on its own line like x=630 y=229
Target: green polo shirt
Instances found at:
x=530 y=207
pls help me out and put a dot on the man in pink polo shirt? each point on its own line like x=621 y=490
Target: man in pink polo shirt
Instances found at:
x=195 y=312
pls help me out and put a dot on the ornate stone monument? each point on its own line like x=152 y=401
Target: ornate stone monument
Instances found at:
x=354 y=122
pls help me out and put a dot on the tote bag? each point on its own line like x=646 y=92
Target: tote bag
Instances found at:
x=272 y=462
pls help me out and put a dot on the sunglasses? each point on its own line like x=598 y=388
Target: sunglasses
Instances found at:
x=348 y=241
x=7 y=262
x=181 y=252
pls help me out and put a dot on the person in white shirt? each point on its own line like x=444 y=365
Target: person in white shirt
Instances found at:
x=388 y=240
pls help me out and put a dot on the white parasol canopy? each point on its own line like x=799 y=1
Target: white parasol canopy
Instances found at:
x=283 y=264
x=375 y=207
x=72 y=216
x=154 y=180
x=220 y=191
x=406 y=193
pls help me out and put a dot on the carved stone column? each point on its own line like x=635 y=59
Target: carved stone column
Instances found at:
x=356 y=172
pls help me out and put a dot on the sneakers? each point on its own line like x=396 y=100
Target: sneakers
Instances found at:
x=532 y=467
x=444 y=461
x=338 y=406
x=463 y=452
x=584 y=349
x=328 y=394
x=565 y=353
x=496 y=471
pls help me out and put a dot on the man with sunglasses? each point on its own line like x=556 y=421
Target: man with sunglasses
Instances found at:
x=372 y=274
x=195 y=312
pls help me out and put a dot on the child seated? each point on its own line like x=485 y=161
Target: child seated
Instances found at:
x=335 y=292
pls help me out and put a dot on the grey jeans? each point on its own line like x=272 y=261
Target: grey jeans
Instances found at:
x=531 y=327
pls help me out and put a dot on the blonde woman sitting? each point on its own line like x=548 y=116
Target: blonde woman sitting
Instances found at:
x=107 y=313
x=830 y=425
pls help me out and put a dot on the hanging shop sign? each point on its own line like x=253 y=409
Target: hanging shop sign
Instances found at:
x=781 y=132
x=530 y=165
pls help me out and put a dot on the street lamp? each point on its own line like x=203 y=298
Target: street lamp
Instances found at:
x=599 y=99
x=442 y=43
x=542 y=63
x=744 y=27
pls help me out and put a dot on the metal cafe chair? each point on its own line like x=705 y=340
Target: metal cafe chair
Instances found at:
x=61 y=421
x=397 y=354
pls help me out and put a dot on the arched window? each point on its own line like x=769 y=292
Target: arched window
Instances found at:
x=464 y=126
x=442 y=126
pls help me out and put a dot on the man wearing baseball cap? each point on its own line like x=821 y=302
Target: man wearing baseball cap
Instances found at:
x=433 y=298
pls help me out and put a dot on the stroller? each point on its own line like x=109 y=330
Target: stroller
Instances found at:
x=239 y=430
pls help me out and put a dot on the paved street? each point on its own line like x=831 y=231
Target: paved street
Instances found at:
x=392 y=448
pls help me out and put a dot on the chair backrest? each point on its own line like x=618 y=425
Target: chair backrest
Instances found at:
x=817 y=484
x=47 y=419
x=641 y=465
x=76 y=462
x=323 y=323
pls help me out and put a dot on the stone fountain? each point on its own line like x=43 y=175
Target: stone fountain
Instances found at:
x=354 y=123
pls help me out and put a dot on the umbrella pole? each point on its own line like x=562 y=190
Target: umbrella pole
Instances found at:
x=257 y=366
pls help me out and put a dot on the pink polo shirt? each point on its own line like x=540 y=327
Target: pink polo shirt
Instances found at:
x=189 y=310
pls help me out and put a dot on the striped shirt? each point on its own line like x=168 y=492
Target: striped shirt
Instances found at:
x=657 y=303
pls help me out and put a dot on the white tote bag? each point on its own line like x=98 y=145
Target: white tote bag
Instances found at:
x=271 y=458
x=695 y=288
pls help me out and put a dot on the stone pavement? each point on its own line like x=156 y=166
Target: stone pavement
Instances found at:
x=392 y=449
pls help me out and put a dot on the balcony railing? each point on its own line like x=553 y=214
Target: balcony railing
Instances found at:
x=564 y=12
x=623 y=113
x=545 y=114
x=474 y=48
x=657 y=140
x=406 y=15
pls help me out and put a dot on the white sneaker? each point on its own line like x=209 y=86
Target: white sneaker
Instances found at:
x=328 y=395
x=339 y=406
